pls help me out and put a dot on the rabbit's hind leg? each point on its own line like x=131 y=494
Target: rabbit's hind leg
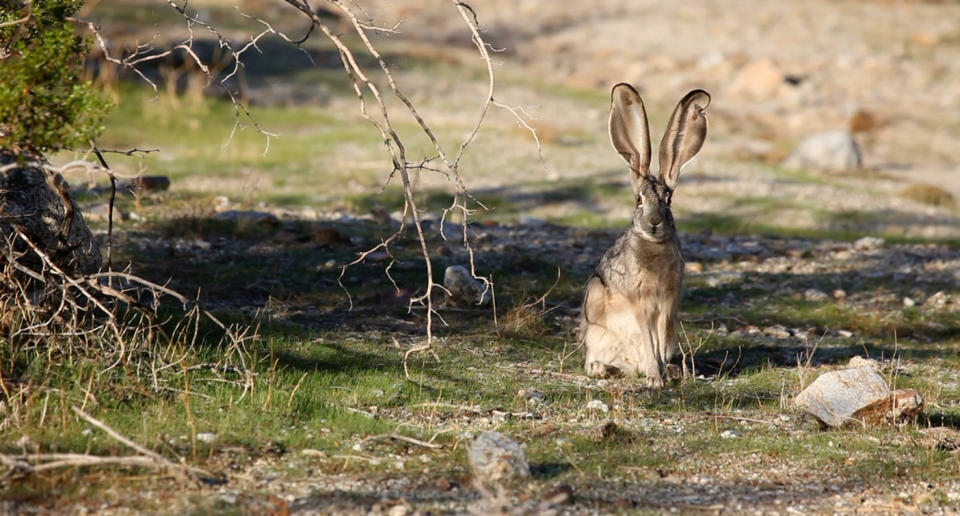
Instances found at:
x=602 y=352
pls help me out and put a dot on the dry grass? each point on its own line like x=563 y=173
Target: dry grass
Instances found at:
x=931 y=195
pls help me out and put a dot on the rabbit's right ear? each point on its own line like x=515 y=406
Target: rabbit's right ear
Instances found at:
x=684 y=137
x=629 y=131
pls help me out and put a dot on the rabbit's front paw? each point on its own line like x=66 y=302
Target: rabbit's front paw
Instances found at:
x=597 y=369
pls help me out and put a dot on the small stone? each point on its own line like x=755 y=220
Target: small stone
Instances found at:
x=831 y=151
x=909 y=302
x=531 y=396
x=938 y=300
x=221 y=203
x=745 y=330
x=729 y=434
x=814 y=295
x=777 y=330
x=247 y=220
x=603 y=431
x=561 y=495
x=463 y=289
x=868 y=243
x=495 y=458
x=859 y=361
x=839 y=294
x=836 y=396
x=398 y=510
x=100 y=211
x=940 y=438
x=206 y=437
x=25 y=442
x=443 y=484
x=598 y=406
x=845 y=333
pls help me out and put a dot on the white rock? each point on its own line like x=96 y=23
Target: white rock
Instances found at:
x=836 y=396
x=831 y=151
x=859 y=361
x=812 y=294
x=206 y=437
x=495 y=458
x=909 y=302
x=729 y=434
x=938 y=300
x=463 y=288
x=398 y=510
x=598 y=405
x=868 y=243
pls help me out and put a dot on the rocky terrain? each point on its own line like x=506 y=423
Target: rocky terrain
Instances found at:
x=819 y=225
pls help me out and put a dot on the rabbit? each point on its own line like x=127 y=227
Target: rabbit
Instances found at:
x=629 y=316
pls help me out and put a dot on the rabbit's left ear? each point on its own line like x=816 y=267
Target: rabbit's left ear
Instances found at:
x=685 y=135
x=629 y=131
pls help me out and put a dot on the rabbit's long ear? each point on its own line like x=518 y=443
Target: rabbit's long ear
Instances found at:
x=685 y=135
x=629 y=131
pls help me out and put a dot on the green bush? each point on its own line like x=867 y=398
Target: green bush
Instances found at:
x=44 y=102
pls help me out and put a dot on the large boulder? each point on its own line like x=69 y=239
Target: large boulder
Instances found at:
x=37 y=202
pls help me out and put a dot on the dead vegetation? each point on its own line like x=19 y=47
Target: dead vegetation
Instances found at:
x=930 y=195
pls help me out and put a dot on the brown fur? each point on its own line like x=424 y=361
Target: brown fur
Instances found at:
x=628 y=321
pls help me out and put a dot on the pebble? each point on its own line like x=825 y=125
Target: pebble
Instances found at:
x=531 y=396
x=868 y=243
x=495 y=458
x=729 y=434
x=938 y=300
x=859 y=361
x=463 y=289
x=206 y=437
x=814 y=295
x=909 y=302
x=598 y=405
x=777 y=330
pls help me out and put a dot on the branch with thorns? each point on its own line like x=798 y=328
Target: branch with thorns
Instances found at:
x=373 y=108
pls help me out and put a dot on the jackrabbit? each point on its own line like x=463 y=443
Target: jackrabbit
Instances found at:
x=628 y=321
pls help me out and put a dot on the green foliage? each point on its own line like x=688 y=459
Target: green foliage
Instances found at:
x=44 y=102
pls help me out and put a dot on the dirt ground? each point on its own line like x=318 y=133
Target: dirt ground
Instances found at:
x=777 y=270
